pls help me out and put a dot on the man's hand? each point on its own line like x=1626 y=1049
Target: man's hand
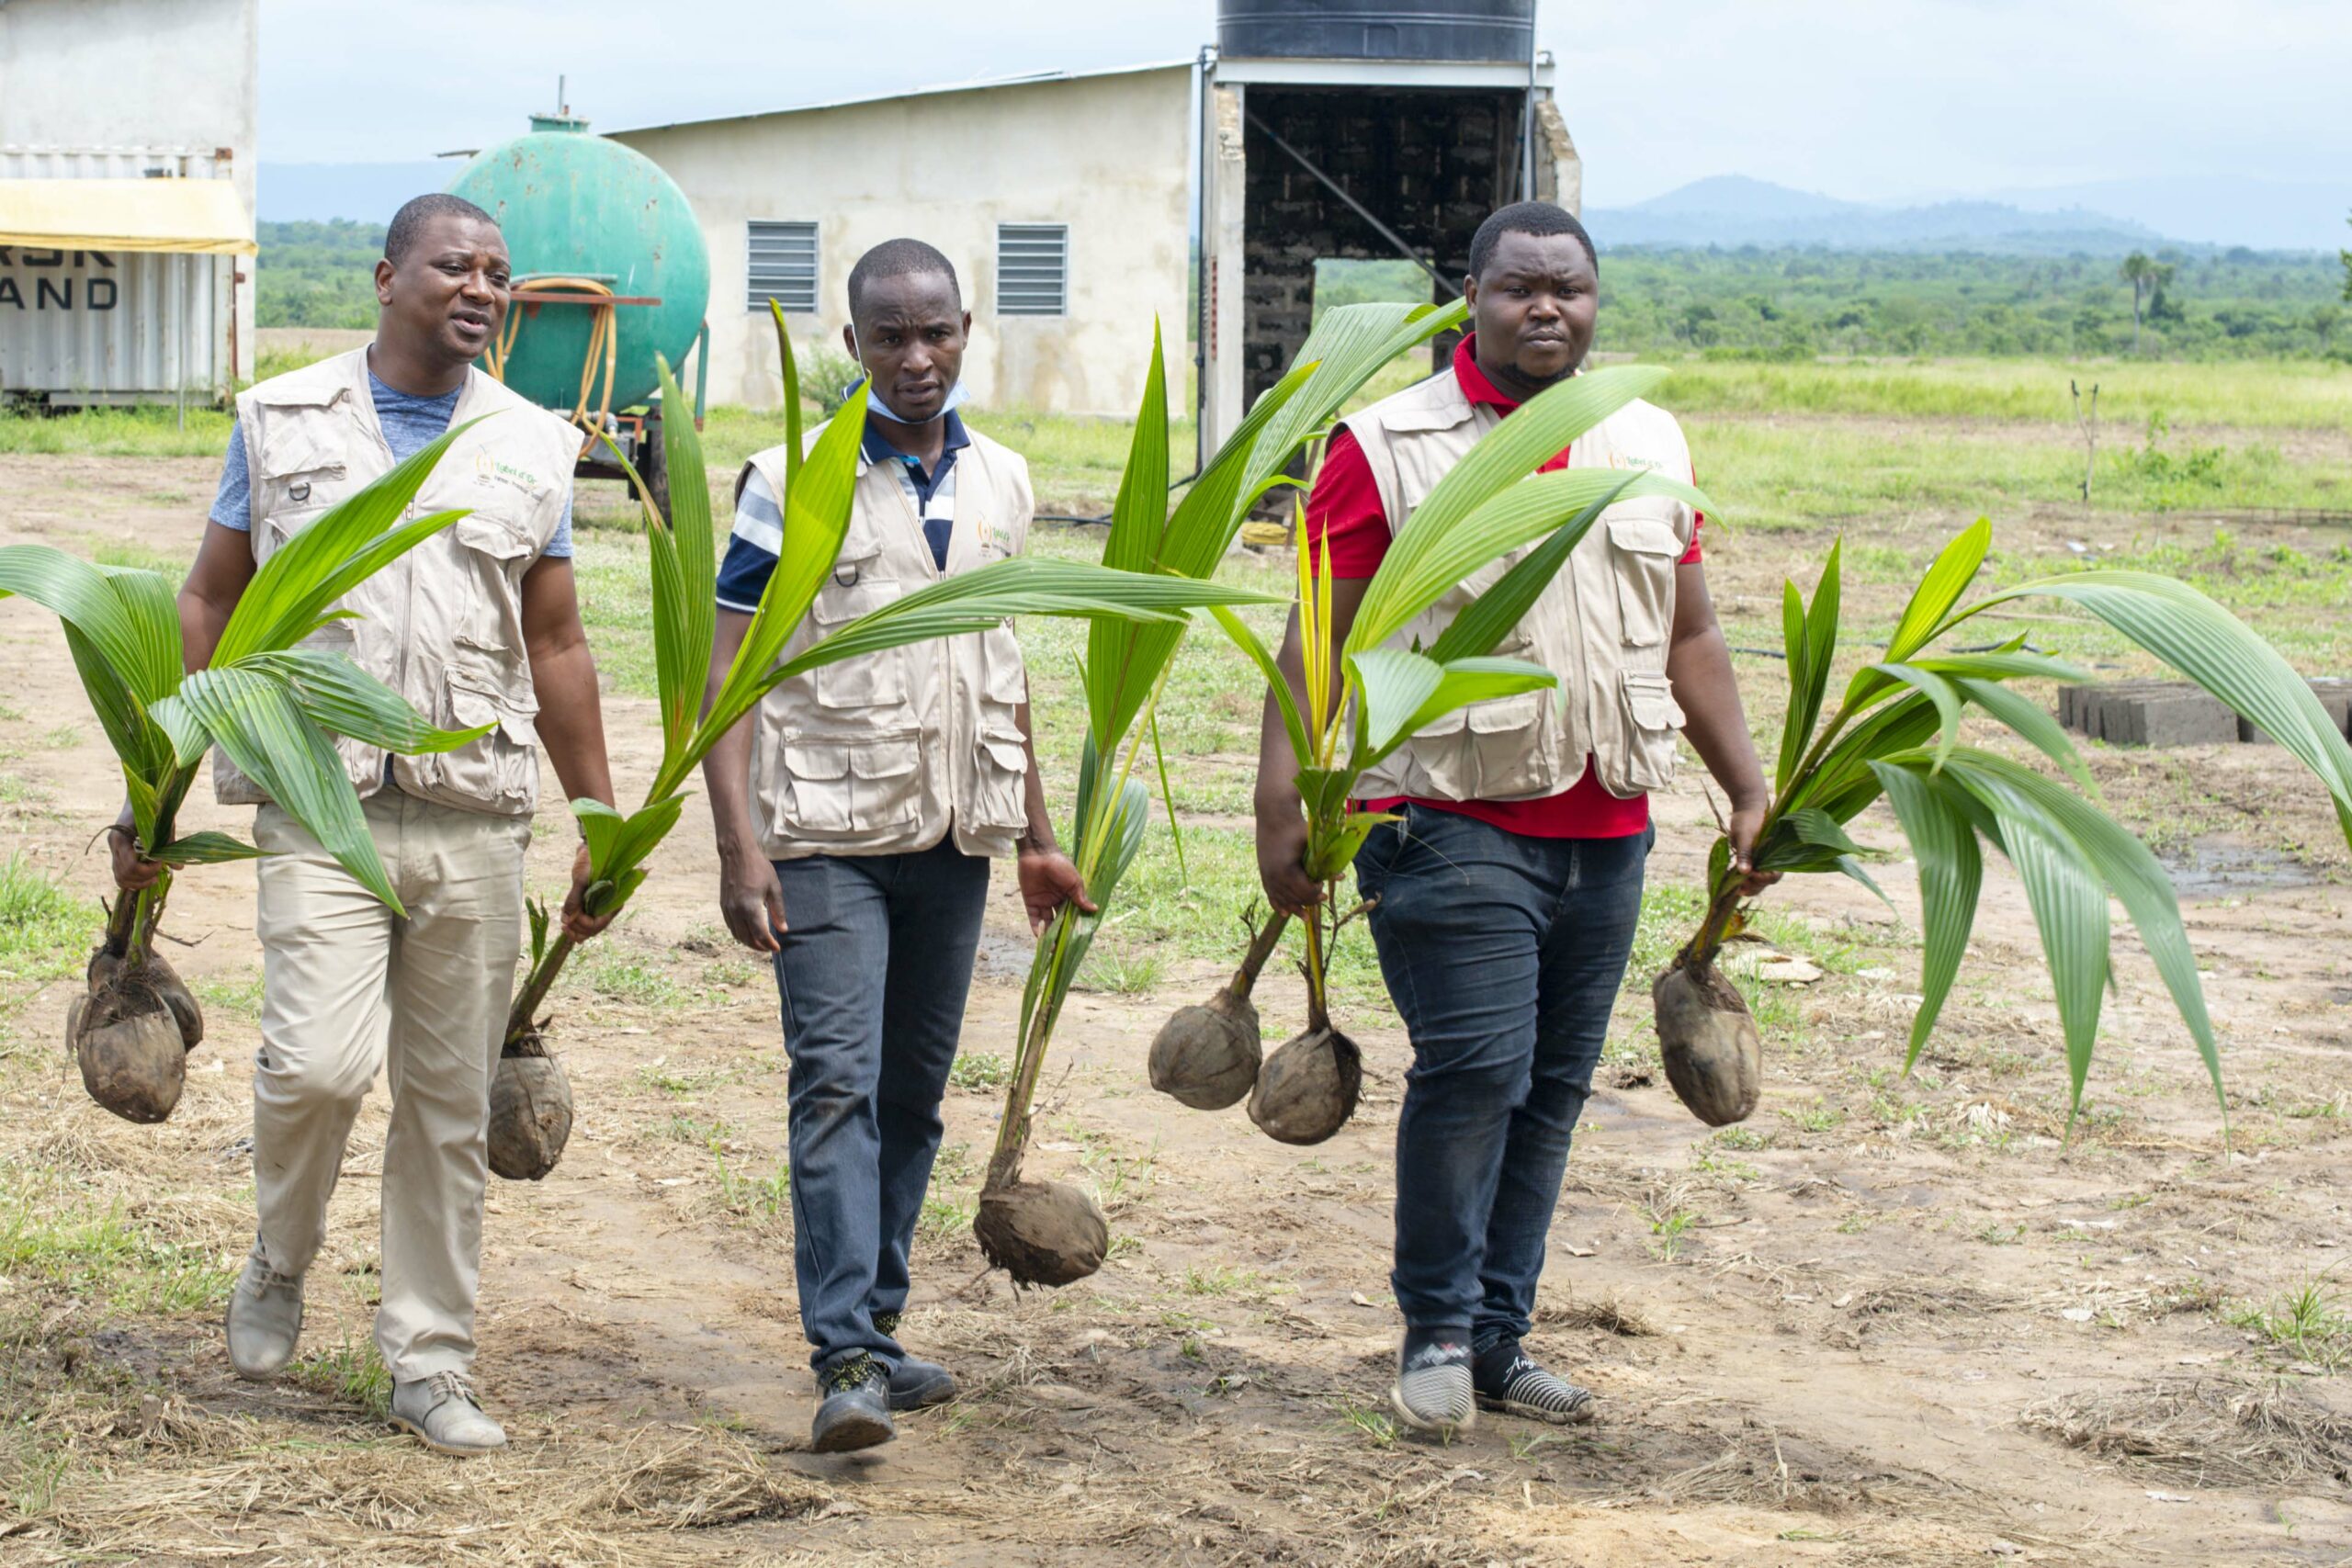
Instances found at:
x=131 y=873
x=750 y=900
x=1281 y=859
x=578 y=923
x=1049 y=881
x=1746 y=821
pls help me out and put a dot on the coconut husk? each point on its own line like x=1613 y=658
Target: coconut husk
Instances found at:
x=1713 y=1056
x=132 y=1049
x=530 y=1110
x=1042 y=1233
x=1306 y=1090
x=104 y=968
x=1208 y=1056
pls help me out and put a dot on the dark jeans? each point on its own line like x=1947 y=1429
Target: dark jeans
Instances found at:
x=876 y=963
x=1503 y=954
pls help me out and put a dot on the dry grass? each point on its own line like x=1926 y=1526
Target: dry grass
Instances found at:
x=590 y=1498
x=2206 y=1431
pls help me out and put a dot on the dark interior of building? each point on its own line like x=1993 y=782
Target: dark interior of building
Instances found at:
x=1429 y=163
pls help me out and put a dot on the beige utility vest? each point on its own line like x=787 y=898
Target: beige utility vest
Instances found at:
x=887 y=752
x=443 y=624
x=1602 y=626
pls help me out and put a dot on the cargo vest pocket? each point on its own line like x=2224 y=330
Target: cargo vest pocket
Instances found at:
x=1652 y=719
x=496 y=550
x=869 y=679
x=850 y=788
x=1643 y=549
x=1003 y=679
x=1002 y=765
x=1509 y=746
x=501 y=771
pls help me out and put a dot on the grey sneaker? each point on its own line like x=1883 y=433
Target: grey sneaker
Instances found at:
x=1433 y=1393
x=443 y=1413
x=265 y=1319
x=854 y=1409
x=915 y=1384
x=1516 y=1386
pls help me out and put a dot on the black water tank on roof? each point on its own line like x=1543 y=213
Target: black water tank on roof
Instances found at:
x=1368 y=29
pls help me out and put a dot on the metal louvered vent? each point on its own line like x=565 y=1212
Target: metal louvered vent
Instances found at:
x=1032 y=269
x=783 y=267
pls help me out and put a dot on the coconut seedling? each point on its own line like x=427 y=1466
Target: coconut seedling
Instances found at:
x=1046 y=1232
x=531 y=1103
x=1895 y=732
x=276 y=692
x=1360 y=701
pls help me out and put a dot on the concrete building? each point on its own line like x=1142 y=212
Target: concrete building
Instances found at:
x=1061 y=200
x=128 y=134
x=1068 y=203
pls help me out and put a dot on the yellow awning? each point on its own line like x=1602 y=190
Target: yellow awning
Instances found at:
x=203 y=216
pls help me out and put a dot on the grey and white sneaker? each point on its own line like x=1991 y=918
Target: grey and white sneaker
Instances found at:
x=1433 y=1393
x=915 y=1384
x=1516 y=1386
x=442 y=1412
x=265 y=1319
x=854 y=1409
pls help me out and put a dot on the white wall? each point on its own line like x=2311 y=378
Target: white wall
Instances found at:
x=1109 y=155
x=114 y=73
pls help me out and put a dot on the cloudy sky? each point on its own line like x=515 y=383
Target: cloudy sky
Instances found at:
x=1868 y=99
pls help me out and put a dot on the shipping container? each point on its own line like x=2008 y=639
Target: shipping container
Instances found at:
x=117 y=327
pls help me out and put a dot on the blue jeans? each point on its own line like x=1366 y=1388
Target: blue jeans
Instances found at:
x=1503 y=954
x=875 y=966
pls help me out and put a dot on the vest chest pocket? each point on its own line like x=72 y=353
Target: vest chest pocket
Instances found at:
x=494 y=548
x=869 y=681
x=1642 y=550
x=846 y=788
x=292 y=502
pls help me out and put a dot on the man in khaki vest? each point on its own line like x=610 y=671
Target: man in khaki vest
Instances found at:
x=475 y=626
x=1510 y=886
x=856 y=814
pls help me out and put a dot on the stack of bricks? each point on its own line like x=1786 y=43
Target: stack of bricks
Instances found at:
x=2167 y=713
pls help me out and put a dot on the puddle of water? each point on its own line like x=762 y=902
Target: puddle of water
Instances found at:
x=1003 y=956
x=2212 y=868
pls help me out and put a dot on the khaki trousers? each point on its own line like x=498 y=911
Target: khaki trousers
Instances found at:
x=347 y=987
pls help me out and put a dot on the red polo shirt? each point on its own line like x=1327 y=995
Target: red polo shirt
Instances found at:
x=1344 y=516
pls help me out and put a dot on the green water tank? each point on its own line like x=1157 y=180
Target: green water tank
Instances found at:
x=578 y=205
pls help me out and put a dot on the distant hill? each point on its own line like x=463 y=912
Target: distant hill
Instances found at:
x=1734 y=211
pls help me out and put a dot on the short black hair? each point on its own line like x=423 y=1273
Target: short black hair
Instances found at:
x=899 y=258
x=408 y=223
x=1539 y=217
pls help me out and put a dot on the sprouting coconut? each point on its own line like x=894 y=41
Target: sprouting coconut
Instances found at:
x=1042 y=1233
x=131 y=1032
x=530 y=1110
x=1895 y=735
x=1208 y=1056
x=1713 y=1056
x=1307 y=1089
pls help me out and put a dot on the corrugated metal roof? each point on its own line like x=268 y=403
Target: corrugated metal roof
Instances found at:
x=977 y=85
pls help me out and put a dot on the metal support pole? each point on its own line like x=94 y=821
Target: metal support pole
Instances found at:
x=1366 y=213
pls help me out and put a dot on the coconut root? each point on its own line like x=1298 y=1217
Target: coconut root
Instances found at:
x=1208 y=1056
x=1042 y=1233
x=530 y=1110
x=1713 y=1056
x=131 y=1034
x=1307 y=1089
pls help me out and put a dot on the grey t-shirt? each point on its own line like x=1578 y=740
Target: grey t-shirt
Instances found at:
x=410 y=424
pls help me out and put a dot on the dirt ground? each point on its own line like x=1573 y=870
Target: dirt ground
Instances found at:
x=1884 y=1322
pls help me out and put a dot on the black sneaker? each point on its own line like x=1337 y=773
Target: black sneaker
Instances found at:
x=1509 y=1381
x=1433 y=1393
x=854 y=1409
x=915 y=1384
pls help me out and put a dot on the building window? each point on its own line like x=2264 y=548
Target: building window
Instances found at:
x=783 y=267
x=1032 y=269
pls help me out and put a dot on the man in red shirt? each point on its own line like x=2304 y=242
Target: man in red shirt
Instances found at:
x=1510 y=886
